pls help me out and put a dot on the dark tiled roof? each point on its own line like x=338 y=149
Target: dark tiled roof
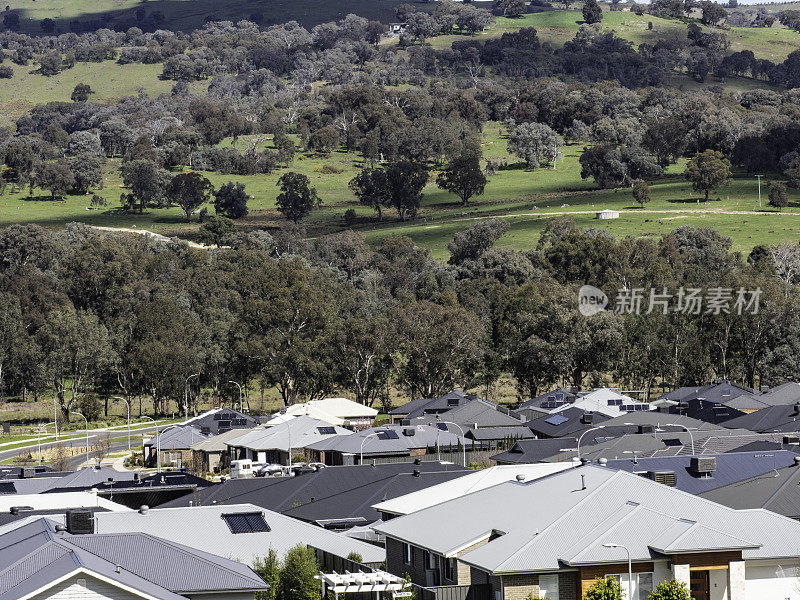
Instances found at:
x=532 y=451
x=559 y=395
x=573 y=421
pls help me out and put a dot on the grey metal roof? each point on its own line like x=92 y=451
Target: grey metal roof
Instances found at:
x=781 y=417
x=64 y=481
x=571 y=421
x=218 y=443
x=390 y=439
x=330 y=493
x=300 y=432
x=730 y=468
x=220 y=420
x=776 y=491
x=533 y=451
x=177 y=437
x=475 y=412
x=499 y=433
x=559 y=395
x=34 y=555
x=418 y=407
x=566 y=518
x=203 y=528
x=785 y=393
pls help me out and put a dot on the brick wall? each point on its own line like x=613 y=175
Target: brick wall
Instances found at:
x=463 y=574
x=568 y=586
x=395 y=562
x=519 y=587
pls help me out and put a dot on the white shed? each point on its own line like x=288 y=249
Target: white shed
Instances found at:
x=607 y=214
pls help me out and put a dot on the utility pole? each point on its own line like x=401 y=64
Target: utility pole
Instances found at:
x=759 y=189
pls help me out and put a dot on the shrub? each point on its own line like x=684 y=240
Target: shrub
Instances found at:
x=6 y=72
x=670 y=590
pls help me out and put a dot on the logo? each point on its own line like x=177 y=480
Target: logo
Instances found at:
x=591 y=300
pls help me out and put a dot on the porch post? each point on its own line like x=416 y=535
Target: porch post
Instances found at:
x=681 y=574
x=736 y=580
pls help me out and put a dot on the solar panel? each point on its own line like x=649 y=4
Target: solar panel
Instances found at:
x=326 y=430
x=246 y=522
x=556 y=420
x=389 y=435
x=452 y=402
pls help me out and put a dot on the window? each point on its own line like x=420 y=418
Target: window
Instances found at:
x=429 y=559
x=408 y=556
x=548 y=586
x=449 y=568
x=246 y=522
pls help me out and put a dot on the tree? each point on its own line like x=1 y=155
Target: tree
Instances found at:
x=670 y=590
x=778 y=195
x=47 y=25
x=510 y=8
x=81 y=92
x=592 y=13
x=230 y=200
x=605 y=588
x=297 y=579
x=88 y=172
x=146 y=182
x=296 y=199
x=11 y=20
x=708 y=170
x=463 y=176
x=713 y=13
x=405 y=181
x=189 y=191
x=56 y=177
x=371 y=187
x=641 y=191
x=475 y=240
x=268 y=567
x=50 y=63
x=215 y=229
x=535 y=143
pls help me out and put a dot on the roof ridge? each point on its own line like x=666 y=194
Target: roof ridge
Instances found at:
x=628 y=508
x=790 y=479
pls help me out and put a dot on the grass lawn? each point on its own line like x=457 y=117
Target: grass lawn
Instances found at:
x=525 y=198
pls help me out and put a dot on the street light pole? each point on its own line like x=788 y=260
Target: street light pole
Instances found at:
x=366 y=437
x=584 y=433
x=72 y=412
x=39 y=440
x=186 y=393
x=630 y=567
x=240 y=393
x=759 y=189
x=128 y=404
x=158 y=443
x=463 y=443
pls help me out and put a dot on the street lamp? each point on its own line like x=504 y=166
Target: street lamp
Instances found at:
x=630 y=567
x=240 y=393
x=365 y=438
x=72 y=412
x=39 y=440
x=128 y=404
x=463 y=443
x=158 y=443
x=186 y=393
x=583 y=434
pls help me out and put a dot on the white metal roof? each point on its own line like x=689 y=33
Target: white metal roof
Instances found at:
x=333 y=410
x=409 y=503
x=58 y=500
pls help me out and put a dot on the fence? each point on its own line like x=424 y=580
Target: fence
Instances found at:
x=481 y=591
x=457 y=458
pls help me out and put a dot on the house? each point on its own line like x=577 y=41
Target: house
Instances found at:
x=337 y=498
x=568 y=422
x=335 y=411
x=220 y=420
x=211 y=455
x=386 y=444
x=175 y=445
x=273 y=443
x=397 y=28
x=240 y=531
x=474 y=414
x=777 y=418
x=534 y=451
x=775 y=490
x=455 y=488
x=700 y=474
x=714 y=403
x=783 y=394
x=425 y=407
x=44 y=560
x=37 y=482
x=607 y=214
x=56 y=501
x=491 y=438
x=554 y=536
x=545 y=403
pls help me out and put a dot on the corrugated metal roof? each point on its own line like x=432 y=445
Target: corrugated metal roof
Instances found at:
x=300 y=432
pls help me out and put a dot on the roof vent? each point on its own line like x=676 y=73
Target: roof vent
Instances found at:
x=645 y=429
x=409 y=432
x=144 y=509
x=703 y=465
x=405 y=422
x=521 y=477
x=80 y=521
x=415 y=473
x=15 y=510
x=417 y=461
x=60 y=528
x=797 y=461
x=603 y=461
x=587 y=418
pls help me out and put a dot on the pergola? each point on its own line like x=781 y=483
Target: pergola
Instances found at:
x=377 y=581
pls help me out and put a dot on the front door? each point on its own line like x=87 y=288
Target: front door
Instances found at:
x=699 y=585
